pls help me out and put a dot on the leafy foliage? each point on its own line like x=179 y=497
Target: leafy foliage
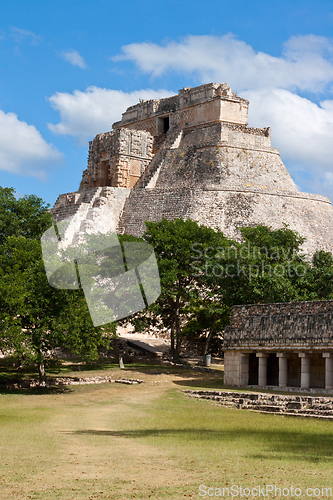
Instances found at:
x=267 y=266
x=35 y=318
x=185 y=302
x=203 y=274
x=27 y=216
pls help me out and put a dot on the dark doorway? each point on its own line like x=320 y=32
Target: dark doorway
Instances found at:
x=294 y=370
x=253 y=369
x=272 y=369
x=163 y=124
x=317 y=371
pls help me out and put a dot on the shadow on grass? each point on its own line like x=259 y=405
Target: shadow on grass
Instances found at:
x=11 y=373
x=77 y=366
x=280 y=444
x=202 y=383
x=156 y=369
x=36 y=391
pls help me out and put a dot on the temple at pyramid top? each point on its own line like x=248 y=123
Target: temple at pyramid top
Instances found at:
x=192 y=106
x=119 y=158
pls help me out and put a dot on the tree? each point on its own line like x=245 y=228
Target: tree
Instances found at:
x=35 y=318
x=185 y=301
x=29 y=306
x=203 y=274
x=209 y=317
x=267 y=266
x=27 y=216
x=318 y=281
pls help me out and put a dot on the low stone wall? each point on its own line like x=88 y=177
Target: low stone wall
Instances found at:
x=301 y=406
x=63 y=381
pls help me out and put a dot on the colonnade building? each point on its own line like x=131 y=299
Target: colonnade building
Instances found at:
x=280 y=345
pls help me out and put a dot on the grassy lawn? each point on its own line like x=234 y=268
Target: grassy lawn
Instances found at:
x=150 y=441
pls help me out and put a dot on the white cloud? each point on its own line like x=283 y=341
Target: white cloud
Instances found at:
x=306 y=62
x=23 y=150
x=301 y=129
x=21 y=36
x=85 y=114
x=73 y=57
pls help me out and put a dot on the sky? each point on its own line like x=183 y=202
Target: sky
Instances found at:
x=70 y=68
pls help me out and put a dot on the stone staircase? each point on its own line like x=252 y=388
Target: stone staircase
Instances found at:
x=137 y=206
x=69 y=204
x=149 y=177
x=300 y=406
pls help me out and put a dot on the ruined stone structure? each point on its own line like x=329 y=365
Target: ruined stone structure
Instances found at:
x=302 y=406
x=284 y=345
x=117 y=159
x=192 y=155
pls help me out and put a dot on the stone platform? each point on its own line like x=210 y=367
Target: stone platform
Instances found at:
x=300 y=406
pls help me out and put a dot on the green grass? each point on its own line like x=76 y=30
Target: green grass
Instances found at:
x=150 y=441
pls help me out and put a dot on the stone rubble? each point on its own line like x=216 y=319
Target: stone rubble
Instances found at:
x=60 y=381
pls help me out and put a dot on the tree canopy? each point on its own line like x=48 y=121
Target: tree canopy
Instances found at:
x=27 y=216
x=35 y=318
x=184 y=293
x=203 y=274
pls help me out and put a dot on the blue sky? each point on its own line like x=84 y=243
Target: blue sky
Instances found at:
x=69 y=68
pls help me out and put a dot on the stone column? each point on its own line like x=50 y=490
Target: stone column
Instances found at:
x=244 y=368
x=283 y=368
x=262 y=369
x=328 y=370
x=305 y=369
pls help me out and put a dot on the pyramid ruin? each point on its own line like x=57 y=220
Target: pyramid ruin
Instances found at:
x=192 y=155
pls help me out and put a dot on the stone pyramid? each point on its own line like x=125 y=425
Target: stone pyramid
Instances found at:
x=192 y=155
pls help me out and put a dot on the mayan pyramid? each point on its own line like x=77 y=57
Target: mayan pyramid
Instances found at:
x=192 y=155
